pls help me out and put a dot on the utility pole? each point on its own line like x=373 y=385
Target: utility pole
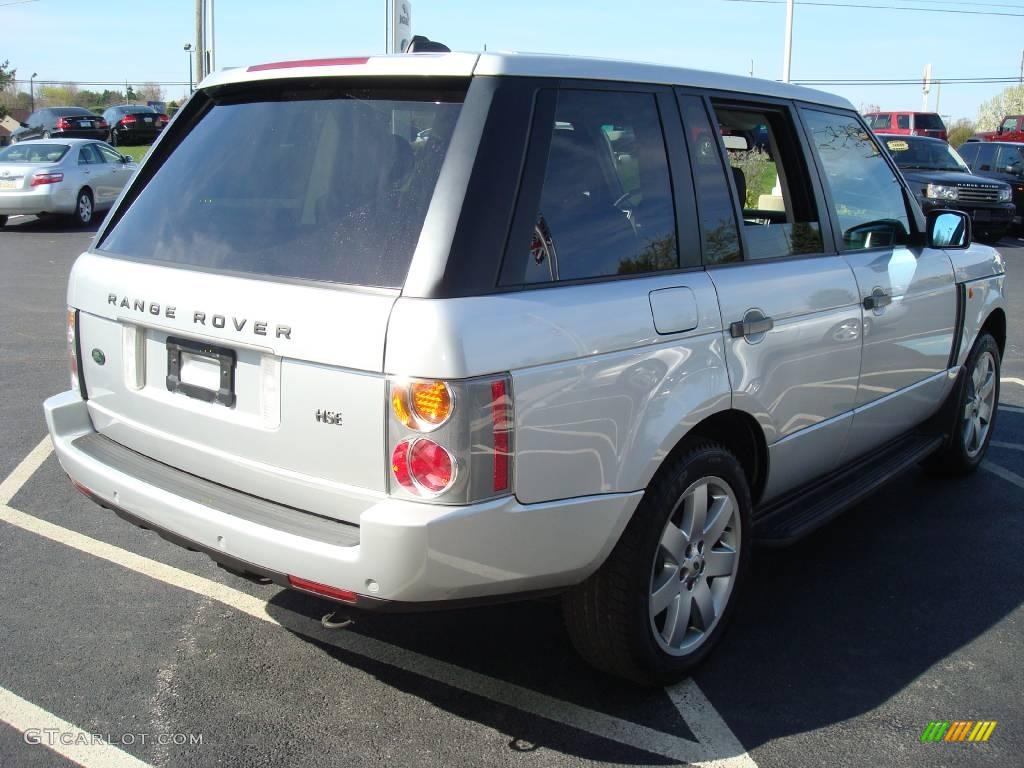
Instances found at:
x=213 y=38
x=1022 y=67
x=788 y=53
x=926 y=86
x=200 y=42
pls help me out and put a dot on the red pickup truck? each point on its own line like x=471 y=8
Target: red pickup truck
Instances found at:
x=1010 y=129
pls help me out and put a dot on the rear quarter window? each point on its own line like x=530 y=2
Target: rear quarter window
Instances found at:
x=928 y=121
x=330 y=184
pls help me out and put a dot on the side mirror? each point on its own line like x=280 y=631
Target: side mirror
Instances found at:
x=948 y=229
x=736 y=143
x=128 y=158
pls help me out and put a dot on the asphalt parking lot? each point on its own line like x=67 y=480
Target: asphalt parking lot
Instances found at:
x=906 y=610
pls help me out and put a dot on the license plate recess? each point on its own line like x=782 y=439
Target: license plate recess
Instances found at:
x=184 y=355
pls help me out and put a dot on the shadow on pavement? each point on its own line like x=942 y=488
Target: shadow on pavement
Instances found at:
x=49 y=225
x=828 y=629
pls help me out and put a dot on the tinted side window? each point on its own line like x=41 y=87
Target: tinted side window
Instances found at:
x=88 y=155
x=1009 y=124
x=881 y=121
x=606 y=201
x=1009 y=161
x=720 y=236
x=969 y=152
x=109 y=155
x=986 y=157
x=903 y=121
x=866 y=194
x=771 y=182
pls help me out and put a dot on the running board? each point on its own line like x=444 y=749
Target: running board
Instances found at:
x=806 y=509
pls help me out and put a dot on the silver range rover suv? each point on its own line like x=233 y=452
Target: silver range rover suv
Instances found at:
x=426 y=330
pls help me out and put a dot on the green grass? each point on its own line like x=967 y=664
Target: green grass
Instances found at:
x=135 y=152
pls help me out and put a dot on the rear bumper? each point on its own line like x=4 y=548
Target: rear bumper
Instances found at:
x=47 y=198
x=401 y=551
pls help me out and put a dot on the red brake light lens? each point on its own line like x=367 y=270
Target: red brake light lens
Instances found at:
x=46 y=177
x=501 y=426
x=344 y=595
x=101 y=123
x=62 y=124
x=164 y=119
x=423 y=467
x=127 y=120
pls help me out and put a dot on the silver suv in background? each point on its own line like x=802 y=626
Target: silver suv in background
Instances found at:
x=435 y=329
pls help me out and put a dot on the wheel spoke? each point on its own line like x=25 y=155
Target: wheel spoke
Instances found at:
x=720 y=563
x=663 y=594
x=719 y=516
x=969 y=433
x=678 y=620
x=704 y=603
x=986 y=387
x=976 y=377
x=674 y=542
x=985 y=411
x=695 y=512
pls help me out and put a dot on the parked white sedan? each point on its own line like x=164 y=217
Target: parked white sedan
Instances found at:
x=74 y=177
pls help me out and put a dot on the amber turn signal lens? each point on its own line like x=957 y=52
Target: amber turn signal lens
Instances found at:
x=398 y=405
x=431 y=401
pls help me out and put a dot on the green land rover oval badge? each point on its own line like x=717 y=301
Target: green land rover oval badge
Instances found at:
x=99 y=357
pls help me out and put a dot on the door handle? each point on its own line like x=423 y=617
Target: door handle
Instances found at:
x=877 y=299
x=751 y=327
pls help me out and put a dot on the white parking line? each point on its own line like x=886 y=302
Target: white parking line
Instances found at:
x=717 y=746
x=1003 y=472
x=1011 y=380
x=1011 y=446
x=1010 y=408
x=61 y=736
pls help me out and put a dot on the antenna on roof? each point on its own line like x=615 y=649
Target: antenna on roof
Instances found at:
x=423 y=44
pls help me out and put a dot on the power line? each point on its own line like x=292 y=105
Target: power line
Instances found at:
x=880 y=7
x=914 y=81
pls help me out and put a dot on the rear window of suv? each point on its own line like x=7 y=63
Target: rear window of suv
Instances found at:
x=311 y=181
x=928 y=121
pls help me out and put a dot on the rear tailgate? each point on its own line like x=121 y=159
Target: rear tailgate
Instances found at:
x=154 y=341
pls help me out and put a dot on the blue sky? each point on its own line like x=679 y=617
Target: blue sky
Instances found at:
x=142 y=40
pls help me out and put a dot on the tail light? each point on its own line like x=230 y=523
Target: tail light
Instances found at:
x=164 y=119
x=101 y=123
x=46 y=177
x=62 y=124
x=128 y=120
x=74 y=368
x=450 y=441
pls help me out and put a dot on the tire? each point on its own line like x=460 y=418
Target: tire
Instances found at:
x=85 y=208
x=613 y=617
x=113 y=139
x=3 y=221
x=973 y=414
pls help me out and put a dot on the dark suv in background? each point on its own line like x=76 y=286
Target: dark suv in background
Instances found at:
x=940 y=178
x=1002 y=160
x=62 y=123
x=134 y=124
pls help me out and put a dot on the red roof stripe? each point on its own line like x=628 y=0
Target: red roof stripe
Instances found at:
x=309 y=63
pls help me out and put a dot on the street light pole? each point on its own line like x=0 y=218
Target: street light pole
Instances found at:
x=32 y=91
x=188 y=51
x=788 y=53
